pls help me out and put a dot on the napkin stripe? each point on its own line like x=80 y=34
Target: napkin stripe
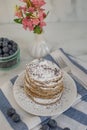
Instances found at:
x=76 y=115
x=50 y=58
x=84 y=98
x=14 y=79
x=80 y=88
x=43 y=118
x=4 y=106
x=74 y=62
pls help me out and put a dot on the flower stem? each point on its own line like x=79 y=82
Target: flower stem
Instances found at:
x=29 y=3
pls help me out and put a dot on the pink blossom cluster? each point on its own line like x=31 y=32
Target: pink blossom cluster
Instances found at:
x=31 y=15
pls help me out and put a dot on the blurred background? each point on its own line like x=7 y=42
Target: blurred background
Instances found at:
x=60 y=10
x=66 y=28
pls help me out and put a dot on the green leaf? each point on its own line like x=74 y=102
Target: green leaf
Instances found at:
x=18 y=20
x=28 y=14
x=37 y=30
x=47 y=12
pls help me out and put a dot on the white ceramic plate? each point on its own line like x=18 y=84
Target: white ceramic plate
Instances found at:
x=67 y=99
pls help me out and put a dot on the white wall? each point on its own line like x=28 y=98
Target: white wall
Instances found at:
x=4 y=12
x=68 y=10
x=60 y=10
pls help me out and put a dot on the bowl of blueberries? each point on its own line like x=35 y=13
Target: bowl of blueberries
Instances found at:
x=9 y=53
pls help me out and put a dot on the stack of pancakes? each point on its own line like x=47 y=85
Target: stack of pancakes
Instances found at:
x=43 y=81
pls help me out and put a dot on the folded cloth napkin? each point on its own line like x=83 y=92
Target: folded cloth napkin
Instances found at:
x=75 y=117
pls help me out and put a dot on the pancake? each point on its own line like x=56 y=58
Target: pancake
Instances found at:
x=43 y=81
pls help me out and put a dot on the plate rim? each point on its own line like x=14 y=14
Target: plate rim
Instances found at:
x=33 y=113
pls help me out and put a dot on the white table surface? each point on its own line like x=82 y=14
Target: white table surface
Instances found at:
x=70 y=36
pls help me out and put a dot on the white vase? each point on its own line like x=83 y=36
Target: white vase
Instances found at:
x=39 y=46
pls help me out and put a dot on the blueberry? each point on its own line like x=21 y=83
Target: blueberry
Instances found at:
x=5 y=55
x=16 y=118
x=1 y=43
x=14 y=45
x=52 y=123
x=45 y=127
x=11 y=42
x=6 y=39
x=14 y=48
x=66 y=128
x=10 y=112
x=1 y=39
x=5 y=49
x=0 y=51
x=9 y=46
x=5 y=43
x=11 y=52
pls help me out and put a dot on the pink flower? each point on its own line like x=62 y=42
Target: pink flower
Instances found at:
x=38 y=3
x=35 y=21
x=22 y=8
x=24 y=22
x=30 y=25
x=42 y=24
x=27 y=24
x=31 y=9
x=23 y=0
x=18 y=14
x=32 y=14
x=42 y=15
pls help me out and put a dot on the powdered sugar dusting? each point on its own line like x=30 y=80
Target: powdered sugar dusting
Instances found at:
x=42 y=70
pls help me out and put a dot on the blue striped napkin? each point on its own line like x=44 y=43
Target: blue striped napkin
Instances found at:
x=75 y=117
